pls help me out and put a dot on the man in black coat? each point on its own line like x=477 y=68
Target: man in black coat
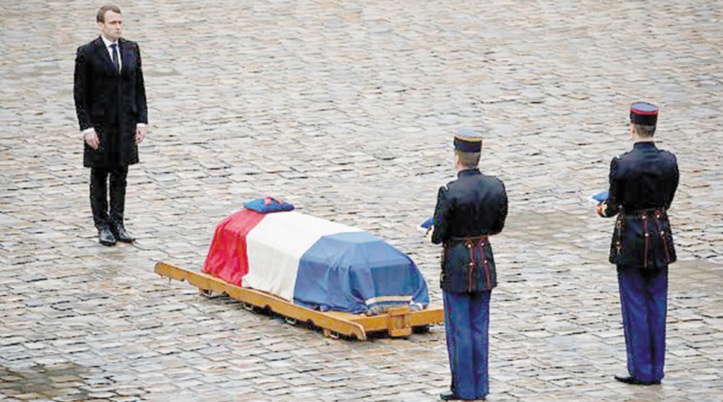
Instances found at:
x=642 y=185
x=110 y=101
x=468 y=211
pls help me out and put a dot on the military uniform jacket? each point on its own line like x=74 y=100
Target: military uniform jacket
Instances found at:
x=112 y=102
x=642 y=185
x=468 y=210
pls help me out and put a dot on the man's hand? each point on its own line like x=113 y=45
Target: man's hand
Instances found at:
x=91 y=138
x=428 y=233
x=601 y=209
x=140 y=134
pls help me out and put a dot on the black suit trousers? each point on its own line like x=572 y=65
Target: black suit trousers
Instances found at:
x=99 y=180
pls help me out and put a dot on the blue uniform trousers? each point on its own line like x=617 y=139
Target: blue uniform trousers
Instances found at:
x=643 y=299
x=466 y=322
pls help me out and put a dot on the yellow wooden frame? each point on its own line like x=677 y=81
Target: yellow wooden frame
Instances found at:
x=398 y=322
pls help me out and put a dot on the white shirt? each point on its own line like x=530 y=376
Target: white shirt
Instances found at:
x=110 y=51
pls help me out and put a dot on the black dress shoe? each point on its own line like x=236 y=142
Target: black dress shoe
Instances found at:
x=121 y=234
x=448 y=396
x=106 y=238
x=633 y=381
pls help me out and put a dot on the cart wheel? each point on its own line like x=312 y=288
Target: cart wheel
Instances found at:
x=422 y=329
x=331 y=334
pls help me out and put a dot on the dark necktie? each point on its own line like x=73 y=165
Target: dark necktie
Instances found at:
x=115 y=56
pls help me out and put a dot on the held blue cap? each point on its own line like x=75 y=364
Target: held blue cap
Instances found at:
x=643 y=113
x=467 y=141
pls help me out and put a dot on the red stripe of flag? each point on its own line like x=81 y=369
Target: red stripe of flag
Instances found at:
x=227 y=258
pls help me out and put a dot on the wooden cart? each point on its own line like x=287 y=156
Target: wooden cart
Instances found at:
x=397 y=322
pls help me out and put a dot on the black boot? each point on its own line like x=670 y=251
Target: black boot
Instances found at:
x=633 y=381
x=105 y=236
x=120 y=233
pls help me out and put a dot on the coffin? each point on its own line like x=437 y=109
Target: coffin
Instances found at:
x=314 y=263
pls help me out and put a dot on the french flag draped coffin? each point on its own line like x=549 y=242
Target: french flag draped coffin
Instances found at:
x=314 y=263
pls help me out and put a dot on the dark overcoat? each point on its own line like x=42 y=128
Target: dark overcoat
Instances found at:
x=109 y=101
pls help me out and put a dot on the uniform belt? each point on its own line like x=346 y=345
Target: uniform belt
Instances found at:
x=470 y=239
x=649 y=211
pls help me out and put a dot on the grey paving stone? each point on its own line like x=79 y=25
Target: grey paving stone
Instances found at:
x=345 y=108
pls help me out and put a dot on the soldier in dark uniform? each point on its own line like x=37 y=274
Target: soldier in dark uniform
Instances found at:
x=468 y=211
x=642 y=185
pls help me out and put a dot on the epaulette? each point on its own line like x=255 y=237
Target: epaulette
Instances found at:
x=622 y=155
x=671 y=156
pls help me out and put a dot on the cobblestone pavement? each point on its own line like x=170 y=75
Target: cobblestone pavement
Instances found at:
x=345 y=108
